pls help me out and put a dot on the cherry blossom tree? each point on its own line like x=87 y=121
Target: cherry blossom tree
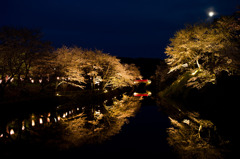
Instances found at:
x=79 y=67
x=205 y=50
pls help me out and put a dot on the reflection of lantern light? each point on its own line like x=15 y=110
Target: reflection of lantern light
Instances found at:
x=33 y=123
x=11 y=132
x=40 y=120
x=48 y=119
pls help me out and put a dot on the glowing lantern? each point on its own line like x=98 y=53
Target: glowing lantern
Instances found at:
x=0 y=81
x=33 y=123
x=40 y=80
x=11 y=132
x=1 y=135
x=23 y=127
x=48 y=120
x=32 y=80
x=40 y=120
x=58 y=118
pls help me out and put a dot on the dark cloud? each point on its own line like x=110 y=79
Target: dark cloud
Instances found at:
x=122 y=27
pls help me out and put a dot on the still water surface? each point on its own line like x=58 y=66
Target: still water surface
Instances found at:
x=120 y=125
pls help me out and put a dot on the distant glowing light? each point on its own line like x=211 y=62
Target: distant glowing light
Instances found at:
x=211 y=14
x=149 y=93
x=33 y=123
x=23 y=127
x=40 y=121
x=11 y=132
x=149 y=82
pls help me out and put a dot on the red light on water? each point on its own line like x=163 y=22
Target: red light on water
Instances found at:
x=140 y=94
x=141 y=80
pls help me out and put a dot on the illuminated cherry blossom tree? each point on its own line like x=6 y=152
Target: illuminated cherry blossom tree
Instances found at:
x=205 y=50
x=81 y=66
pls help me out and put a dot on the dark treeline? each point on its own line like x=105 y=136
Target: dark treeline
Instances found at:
x=147 y=66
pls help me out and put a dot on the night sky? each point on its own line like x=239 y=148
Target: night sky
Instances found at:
x=125 y=28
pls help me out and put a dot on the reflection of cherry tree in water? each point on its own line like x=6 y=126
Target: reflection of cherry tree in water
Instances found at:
x=193 y=137
x=71 y=125
x=102 y=123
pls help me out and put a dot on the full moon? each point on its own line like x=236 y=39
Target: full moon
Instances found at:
x=211 y=13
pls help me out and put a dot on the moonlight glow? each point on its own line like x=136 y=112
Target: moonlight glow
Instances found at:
x=211 y=13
